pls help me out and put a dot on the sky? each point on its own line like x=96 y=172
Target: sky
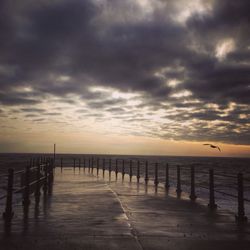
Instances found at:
x=157 y=77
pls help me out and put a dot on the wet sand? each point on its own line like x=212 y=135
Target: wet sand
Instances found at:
x=90 y=212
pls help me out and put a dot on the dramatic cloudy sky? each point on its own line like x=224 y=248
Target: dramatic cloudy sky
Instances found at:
x=125 y=76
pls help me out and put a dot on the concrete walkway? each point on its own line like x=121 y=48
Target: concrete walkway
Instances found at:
x=89 y=212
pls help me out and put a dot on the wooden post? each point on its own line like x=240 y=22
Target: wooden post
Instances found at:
x=211 y=204
x=146 y=172
x=8 y=213
x=74 y=164
x=156 y=181
x=178 y=188
x=192 y=188
x=79 y=164
x=167 y=177
x=84 y=163
x=37 y=192
x=130 y=170
x=240 y=217
x=26 y=193
x=138 y=171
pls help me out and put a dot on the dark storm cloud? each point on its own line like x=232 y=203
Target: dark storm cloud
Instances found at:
x=17 y=99
x=225 y=81
x=63 y=48
x=64 y=38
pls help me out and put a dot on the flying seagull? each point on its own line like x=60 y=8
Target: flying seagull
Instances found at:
x=212 y=146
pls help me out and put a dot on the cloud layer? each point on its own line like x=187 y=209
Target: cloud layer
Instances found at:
x=159 y=68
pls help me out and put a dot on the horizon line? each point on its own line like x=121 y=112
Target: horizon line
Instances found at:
x=156 y=155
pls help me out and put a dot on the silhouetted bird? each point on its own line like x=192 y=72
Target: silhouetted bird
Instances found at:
x=212 y=146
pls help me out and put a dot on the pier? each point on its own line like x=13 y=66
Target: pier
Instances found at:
x=104 y=204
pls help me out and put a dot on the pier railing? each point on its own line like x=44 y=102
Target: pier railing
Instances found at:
x=191 y=179
x=36 y=176
x=198 y=182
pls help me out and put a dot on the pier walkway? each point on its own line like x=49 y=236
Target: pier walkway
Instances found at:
x=90 y=212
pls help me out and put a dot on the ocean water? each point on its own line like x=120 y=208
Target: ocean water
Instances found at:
x=225 y=172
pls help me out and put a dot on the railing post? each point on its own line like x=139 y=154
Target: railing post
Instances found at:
x=240 y=217
x=97 y=166
x=116 y=168
x=103 y=167
x=92 y=165
x=74 y=164
x=61 y=165
x=138 y=171
x=26 y=193
x=84 y=163
x=51 y=167
x=130 y=170
x=45 y=183
x=178 y=187
x=8 y=213
x=89 y=165
x=156 y=181
x=79 y=164
x=146 y=172
x=192 y=188
x=50 y=176
x=37 y=192
x=167 y=177
x=123 y=169
x=211 y=204
x=110 y=167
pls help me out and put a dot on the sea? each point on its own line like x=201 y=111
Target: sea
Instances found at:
x=225 y=169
